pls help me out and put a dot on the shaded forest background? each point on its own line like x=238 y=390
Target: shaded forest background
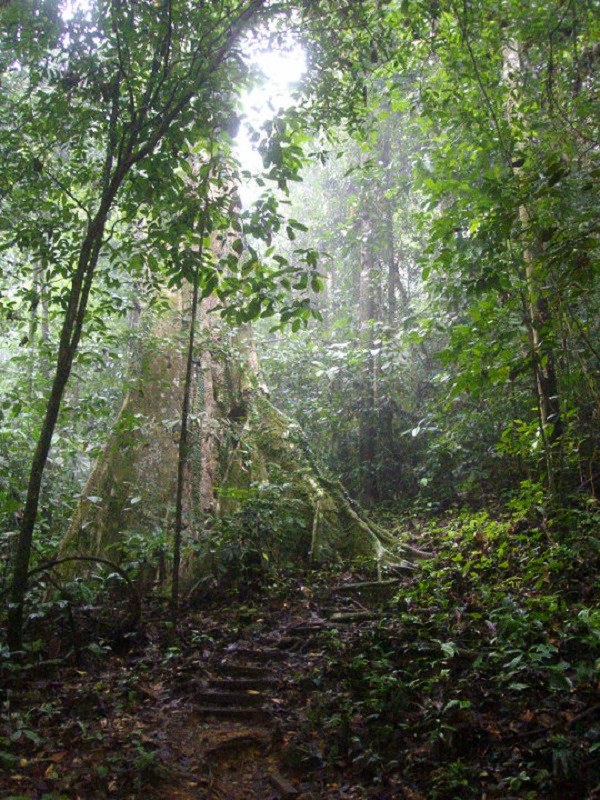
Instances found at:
x=412 y=278
x=447 y=237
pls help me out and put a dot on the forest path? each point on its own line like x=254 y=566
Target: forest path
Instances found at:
x=221 y=709
x=233 y=735
x=229 y=735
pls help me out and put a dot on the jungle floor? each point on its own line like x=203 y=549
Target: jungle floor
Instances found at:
x=464 y=679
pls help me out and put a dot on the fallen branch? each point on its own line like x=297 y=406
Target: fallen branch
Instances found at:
x=133 y=594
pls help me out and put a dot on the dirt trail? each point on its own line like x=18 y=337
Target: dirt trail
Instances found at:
x=232 y=736
x=229 y=734
x=219 y=710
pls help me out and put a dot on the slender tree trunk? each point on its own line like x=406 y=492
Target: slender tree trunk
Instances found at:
x=45 y=313
x=390 y=244
x=69 y=340
x=538 y=313
x=182 y=460
x=208 y=380
x=45 y=323
x=33 y=326
x=367 y=427
x=389 y=463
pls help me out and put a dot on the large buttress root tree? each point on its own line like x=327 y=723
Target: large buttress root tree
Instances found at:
x=137 y=116
x=132 y=485
x=241 y=449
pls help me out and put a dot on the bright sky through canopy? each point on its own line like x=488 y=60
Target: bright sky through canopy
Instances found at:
x=282 y=70
x=71 y=7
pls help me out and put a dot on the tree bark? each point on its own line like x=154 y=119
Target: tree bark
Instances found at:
x=537 y=306
x=243 y=450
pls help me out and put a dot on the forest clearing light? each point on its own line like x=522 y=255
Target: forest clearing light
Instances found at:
x=282 y=70
x=72 y=7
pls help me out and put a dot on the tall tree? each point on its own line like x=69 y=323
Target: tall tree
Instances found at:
x=143 y=87
x=101 y=108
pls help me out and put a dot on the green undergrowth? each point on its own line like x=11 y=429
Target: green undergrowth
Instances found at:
x=477 y=677
x=481 y=677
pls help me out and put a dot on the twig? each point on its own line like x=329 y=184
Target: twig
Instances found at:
x=61 y=185
x=587 y=712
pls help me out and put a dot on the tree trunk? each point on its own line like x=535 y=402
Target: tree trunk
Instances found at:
x=245 y=457
x=537 y=307
x=367 y=423
x=389 y=239
x=132 y=485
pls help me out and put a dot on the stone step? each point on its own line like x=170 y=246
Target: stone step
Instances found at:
x=233 y=713
x=234 y=745
x=291 y=642
x=311 y=629
x=235 y=697
x=243 y=683
x=263 y=656
x=348 y=617
x=367 y=587
x=244 y=671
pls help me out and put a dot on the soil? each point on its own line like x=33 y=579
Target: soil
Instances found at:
x=213 y=710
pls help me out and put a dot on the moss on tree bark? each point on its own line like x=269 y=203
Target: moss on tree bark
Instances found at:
x=254 y=450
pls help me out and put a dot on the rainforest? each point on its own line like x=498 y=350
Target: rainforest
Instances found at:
x=299 y=399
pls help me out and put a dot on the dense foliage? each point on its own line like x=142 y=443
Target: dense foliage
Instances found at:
x=420 y=263
x=461 y=236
